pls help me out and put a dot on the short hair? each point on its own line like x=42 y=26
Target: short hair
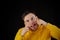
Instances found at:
x=27 y=12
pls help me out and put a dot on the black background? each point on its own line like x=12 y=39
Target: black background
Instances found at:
x=46 y=10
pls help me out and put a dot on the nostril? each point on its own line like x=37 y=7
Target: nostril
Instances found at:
x=34 y=24
x=31 y=26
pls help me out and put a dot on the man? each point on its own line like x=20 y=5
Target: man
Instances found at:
x=36 y=29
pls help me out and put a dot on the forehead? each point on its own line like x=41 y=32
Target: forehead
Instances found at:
x=29 y=16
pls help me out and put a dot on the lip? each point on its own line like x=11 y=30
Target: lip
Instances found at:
x=35 y=25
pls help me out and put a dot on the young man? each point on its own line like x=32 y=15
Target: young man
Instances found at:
x=36 y=29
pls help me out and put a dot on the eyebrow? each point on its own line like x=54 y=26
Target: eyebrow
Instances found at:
x=30 y=18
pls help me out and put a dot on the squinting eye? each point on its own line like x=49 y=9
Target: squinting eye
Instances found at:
x=27 y=20
x=32 y=18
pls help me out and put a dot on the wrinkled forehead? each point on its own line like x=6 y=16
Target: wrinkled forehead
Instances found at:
x=28 y=16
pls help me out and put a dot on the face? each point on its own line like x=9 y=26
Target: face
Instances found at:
x=30 y=21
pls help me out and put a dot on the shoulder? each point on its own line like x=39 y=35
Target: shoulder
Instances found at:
x=20 y=29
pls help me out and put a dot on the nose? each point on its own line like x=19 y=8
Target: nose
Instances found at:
x=31 y=22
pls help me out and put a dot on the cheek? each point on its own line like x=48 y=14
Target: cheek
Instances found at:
x=27 y=23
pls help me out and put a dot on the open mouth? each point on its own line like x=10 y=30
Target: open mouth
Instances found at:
x=33 y=27
x=34 y=24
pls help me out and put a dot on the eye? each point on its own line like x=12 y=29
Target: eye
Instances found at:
x=27 y=20
x=31 y=18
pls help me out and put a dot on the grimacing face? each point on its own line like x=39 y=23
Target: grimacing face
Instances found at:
x=30 y=21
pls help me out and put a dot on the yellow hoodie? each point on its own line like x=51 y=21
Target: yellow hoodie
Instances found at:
x=42 y=33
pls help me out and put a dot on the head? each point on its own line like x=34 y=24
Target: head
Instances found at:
x=30 y=20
